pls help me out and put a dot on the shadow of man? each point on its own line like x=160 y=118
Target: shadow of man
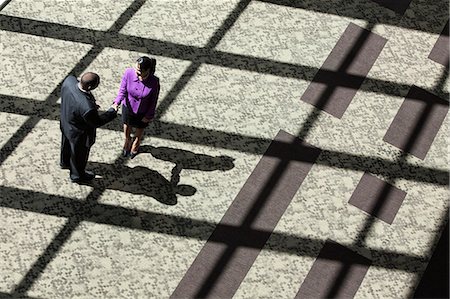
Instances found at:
x=188 y=160
x=141 y=180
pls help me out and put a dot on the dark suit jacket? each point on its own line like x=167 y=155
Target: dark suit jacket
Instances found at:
x=79 y=115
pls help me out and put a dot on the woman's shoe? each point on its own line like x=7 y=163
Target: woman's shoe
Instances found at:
x=127 y=147
x=133 y=154
x=125 y=153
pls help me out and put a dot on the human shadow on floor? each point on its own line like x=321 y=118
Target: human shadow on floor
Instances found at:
x=139 y=180
x=188 y=160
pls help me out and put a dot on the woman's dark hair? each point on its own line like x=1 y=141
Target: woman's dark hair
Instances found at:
x=147 y=63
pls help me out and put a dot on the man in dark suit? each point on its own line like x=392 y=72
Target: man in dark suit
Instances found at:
x=79 y=121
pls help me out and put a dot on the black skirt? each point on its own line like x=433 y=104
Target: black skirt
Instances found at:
x=132 y=119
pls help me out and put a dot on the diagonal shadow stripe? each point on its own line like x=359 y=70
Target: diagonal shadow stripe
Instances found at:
x=56 y=244
x=358 y=10
x=4 y=295
x=354 y=10
x=434 y=283
x=230 y=265
x=217 y=270
x=412 y=137
x=48 y=255
x=222 y=277
x=195 y=54
x=92 y=211
x=195 y=65
x=53 y=249
x=248 y=144
x=39 y=266
x=31 y=122
x=83 y=63
x=4 y=3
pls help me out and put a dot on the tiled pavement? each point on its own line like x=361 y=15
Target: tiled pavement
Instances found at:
x=247 y=119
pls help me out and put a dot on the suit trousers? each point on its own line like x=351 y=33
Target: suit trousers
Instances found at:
x=75 y=154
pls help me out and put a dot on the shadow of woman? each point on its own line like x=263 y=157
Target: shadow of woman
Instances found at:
x=188 y=160
x=141 y=180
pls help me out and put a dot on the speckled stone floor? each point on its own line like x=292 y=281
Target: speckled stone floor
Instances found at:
x=234 y=78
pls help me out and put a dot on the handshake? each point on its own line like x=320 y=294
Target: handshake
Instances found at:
x=115 y=107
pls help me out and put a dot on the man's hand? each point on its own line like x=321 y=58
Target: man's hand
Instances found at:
x=146 y=120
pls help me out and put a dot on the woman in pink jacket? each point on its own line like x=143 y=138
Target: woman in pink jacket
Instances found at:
x=138 y=94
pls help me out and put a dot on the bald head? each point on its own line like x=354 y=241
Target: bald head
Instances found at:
x=89 y=81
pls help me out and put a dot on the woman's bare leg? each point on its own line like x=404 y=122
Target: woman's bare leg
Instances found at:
x=127 y=144
x=137 y=141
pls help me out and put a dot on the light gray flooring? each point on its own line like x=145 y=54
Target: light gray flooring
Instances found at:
x=232 y=74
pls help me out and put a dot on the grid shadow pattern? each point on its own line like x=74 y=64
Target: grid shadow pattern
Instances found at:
x=83 y=211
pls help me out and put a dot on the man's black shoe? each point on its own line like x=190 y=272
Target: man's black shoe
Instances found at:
x=87 y=177
x=62 y=166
